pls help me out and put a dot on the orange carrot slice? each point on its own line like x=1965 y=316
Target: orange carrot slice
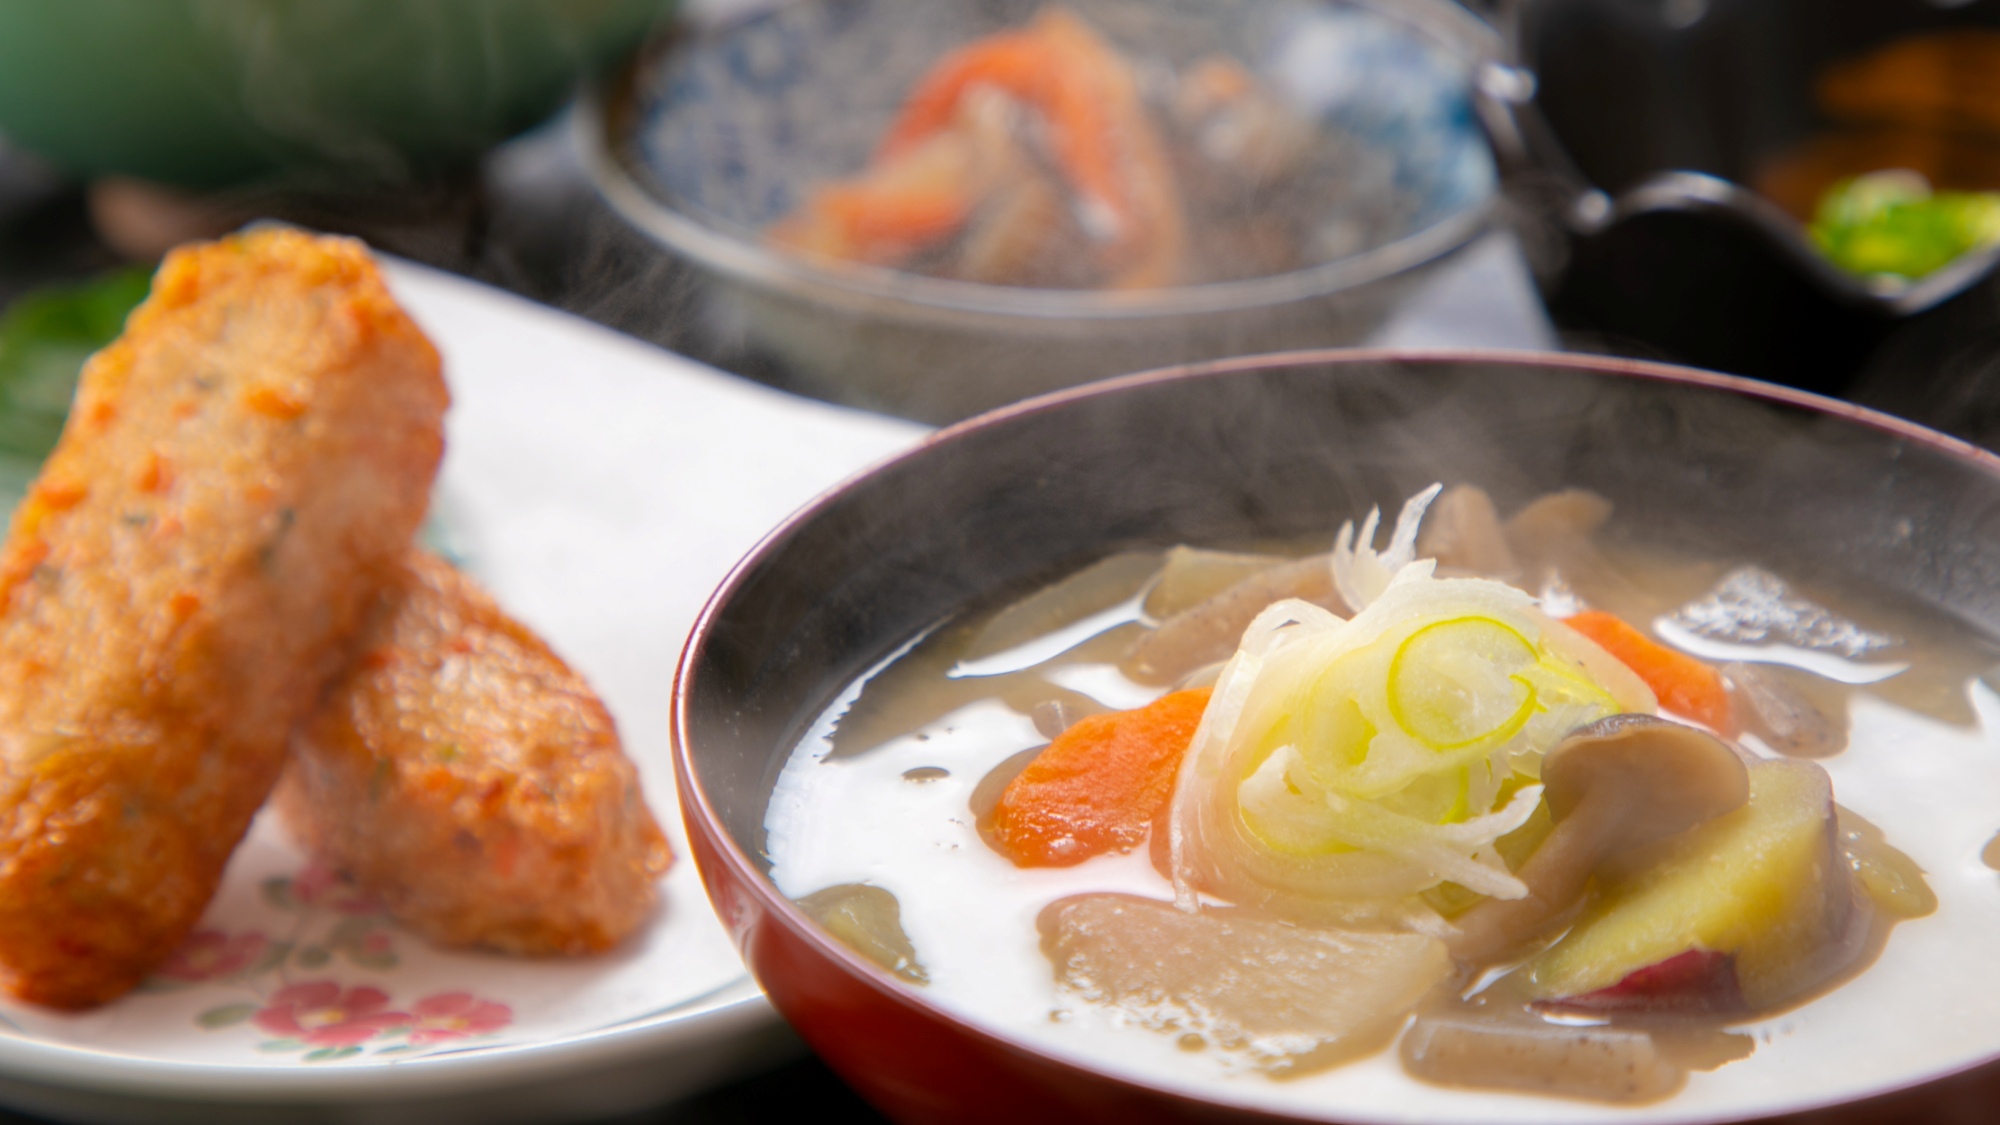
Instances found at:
x=1058 y=65
x=1684 y=685
x=1104 y=140
x=1015 y=61
x=896 y=209
x=1098 y=786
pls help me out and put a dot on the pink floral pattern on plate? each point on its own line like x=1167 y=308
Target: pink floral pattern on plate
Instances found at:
x=322 y=1017
x=450 y=1016
x=323 y=887
x=210 y=955
x=320 y=1013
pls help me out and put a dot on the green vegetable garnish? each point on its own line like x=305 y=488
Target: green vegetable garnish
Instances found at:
x=1892 y=224
x=45 y=336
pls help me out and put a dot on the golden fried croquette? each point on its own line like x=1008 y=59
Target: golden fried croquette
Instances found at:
x=465 y=775
x=242 y=471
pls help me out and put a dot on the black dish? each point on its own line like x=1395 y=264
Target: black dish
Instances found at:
x=1648 y=120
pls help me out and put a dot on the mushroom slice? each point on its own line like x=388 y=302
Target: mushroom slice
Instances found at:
x=1613 y=785
x=1567 y=515
x=1462 y=532
x=1192 y=575
x=1554 y=538
x=1207 y=633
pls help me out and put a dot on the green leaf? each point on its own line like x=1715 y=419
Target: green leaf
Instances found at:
x=45 y=336
x=378 y=961
x=274 y=955
x=398 y=1049
x=280 y=1046
x=328 y=1054
x=278 y=892
x=228 y=1015
x=312 y=957
x=350 y=932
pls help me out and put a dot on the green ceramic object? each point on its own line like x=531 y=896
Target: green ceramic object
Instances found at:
x=208 y=93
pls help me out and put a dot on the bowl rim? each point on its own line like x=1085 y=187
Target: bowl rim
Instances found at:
x=606 y=109
x=700 y=814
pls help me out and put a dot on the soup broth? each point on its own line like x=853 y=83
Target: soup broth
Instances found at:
x=1379 y=1006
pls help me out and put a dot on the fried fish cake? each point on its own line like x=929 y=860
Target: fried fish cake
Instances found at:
x=465 y=775
x=241 y=472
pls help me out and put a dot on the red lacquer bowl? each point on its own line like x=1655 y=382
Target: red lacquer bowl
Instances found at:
x=1270 y=447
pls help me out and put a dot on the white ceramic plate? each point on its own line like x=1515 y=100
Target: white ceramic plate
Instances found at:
x=600 y=488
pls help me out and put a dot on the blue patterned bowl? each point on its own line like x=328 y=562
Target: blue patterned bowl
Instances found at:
x=720 y=131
